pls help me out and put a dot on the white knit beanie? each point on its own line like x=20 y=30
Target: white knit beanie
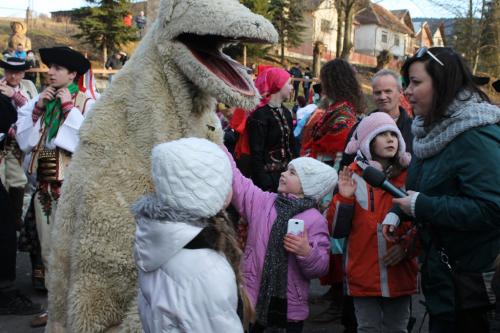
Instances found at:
x=317 y=178
x=192 y=175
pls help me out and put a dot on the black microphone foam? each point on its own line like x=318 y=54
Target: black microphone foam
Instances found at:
x=373 y=176
x=376 y=178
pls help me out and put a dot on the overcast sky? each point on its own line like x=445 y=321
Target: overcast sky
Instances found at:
x=17 y=8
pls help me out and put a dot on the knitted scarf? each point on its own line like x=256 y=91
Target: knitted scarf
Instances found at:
x=271 y=305
x=53 y=113
x=329 y=133
x=461 y=116
x=337 y=117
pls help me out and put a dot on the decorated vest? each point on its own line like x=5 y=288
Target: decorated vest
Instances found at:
x=59 y=157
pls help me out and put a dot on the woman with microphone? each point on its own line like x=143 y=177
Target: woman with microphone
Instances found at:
x=453 y=188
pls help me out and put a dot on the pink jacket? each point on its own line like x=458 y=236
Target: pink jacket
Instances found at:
x=257 y=207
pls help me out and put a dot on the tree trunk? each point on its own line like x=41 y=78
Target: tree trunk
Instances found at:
x=476 y=51
x=476 y=61
x=340 y=11
x=282 y=42
x=282 y=61
x=317 y=53
x=470 y=32
x=347 y=44
x=496 y=18
x=105 y=53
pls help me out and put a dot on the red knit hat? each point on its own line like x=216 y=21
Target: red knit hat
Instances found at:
x=269 y=82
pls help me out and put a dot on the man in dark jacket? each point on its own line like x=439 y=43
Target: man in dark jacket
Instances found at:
x=296 y=73
x=140 y=23
x=114 y=62
x=307 y=84
x=387 y=90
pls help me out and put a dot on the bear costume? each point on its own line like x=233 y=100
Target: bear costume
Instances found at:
x=166 y=91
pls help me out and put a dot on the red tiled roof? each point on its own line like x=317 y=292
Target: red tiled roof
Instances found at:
x=399 y=13
x=375 y=14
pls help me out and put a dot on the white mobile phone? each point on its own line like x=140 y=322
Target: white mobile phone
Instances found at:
x=295 y=226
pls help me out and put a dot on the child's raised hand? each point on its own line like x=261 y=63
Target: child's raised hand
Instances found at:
x=388 y=233
x=347 y=185
x=298 y=245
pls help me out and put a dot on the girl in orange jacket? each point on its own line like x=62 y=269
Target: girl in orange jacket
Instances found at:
x=380 y=275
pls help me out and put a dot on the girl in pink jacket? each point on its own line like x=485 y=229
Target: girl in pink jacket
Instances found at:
x=277 y=266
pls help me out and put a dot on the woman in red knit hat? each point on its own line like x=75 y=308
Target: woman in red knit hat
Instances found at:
x=269 y=128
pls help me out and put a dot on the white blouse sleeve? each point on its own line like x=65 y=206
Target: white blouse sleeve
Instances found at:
x=68 y=136
x=27 y=134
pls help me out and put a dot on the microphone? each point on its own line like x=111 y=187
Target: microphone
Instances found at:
x=376 y=178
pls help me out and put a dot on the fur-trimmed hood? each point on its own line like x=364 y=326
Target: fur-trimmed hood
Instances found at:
x=158 y=239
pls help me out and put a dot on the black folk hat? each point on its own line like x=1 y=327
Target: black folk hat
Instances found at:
x=65 y=57
x=480 y=80
x=496 y=85
x=14 y=64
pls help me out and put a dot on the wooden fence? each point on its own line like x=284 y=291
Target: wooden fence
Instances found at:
x=101 y=71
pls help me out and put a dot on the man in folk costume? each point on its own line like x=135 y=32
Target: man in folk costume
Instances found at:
x=13 y=84
x=19 y=92
x=48 y=127
x=12 y=301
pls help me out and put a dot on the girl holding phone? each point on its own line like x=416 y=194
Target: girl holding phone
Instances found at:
x=278 y=266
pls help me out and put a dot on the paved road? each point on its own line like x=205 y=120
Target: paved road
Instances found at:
x=20 y=324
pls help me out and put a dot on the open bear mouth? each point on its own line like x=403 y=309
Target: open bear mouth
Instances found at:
x=207 y=49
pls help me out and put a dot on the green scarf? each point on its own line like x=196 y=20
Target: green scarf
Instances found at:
x=53 y=113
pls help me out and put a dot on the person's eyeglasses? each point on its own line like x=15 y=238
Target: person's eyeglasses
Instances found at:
x=423 y=51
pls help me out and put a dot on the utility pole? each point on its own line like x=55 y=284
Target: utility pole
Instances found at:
x=28 y=17
x=29 y=14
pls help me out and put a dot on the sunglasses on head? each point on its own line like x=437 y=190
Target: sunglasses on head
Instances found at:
x=423 y=51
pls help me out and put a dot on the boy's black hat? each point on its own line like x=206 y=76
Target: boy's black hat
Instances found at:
x=65 y=57
x=14 y=64
x=317 y=88
x=480 y=80
x=496 y=85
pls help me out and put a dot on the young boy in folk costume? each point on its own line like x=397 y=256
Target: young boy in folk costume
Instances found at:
x=48 y=128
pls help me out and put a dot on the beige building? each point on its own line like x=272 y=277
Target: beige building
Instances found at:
x=379 y=29
x=423 y=37
x=320 y=22
x=404 y=17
